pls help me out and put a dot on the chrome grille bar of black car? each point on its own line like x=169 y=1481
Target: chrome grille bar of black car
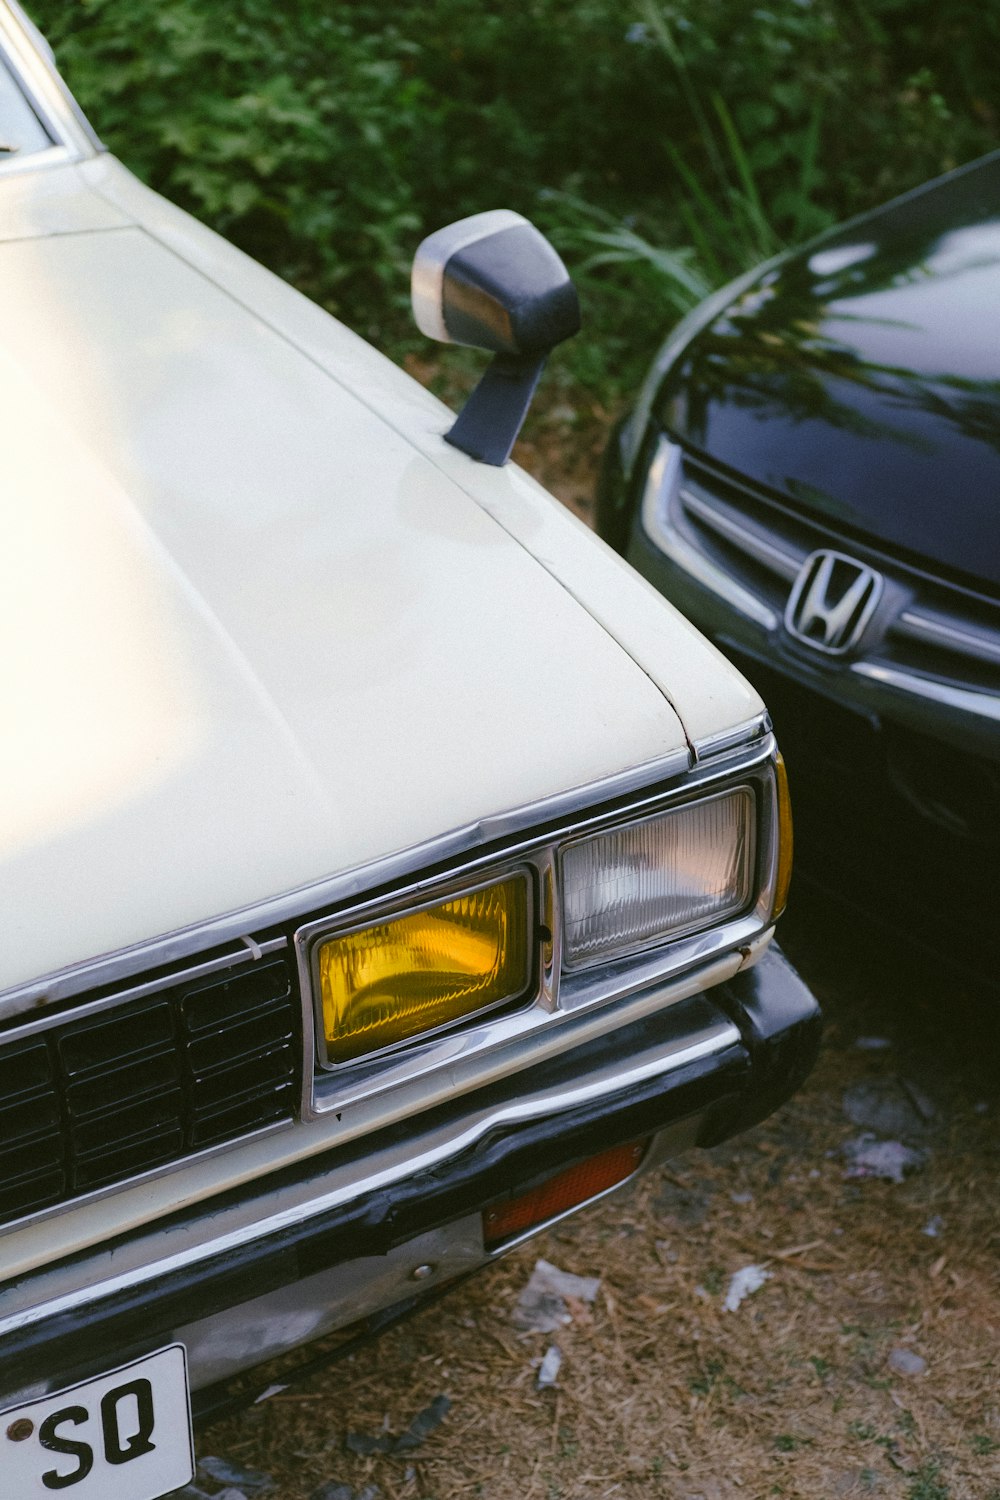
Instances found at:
x=949 y=634
x=742 y=544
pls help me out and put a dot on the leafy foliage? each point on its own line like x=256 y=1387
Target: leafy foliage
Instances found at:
x=666 y=144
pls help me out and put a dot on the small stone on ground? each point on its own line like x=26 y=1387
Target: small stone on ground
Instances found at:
x=548 y=1370
x=890 y=1107
x=905 y=1362
x=743 y=1283
x=221 y=1471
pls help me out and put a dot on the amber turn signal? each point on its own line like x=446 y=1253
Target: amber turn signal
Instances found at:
x=414 y=973
x=588 y=1179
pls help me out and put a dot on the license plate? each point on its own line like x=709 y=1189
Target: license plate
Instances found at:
x=126 y=1435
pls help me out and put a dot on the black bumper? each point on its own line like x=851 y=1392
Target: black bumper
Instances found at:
x=778 y=1023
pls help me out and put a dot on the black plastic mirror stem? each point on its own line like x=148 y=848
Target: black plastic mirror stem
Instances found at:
x=489 y=422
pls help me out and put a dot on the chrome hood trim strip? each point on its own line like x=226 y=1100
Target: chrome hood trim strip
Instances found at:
x=176 y=947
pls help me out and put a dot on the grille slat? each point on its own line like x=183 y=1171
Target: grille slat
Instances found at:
x=23 y=1070
x=33 y=1114
x=110 y=1161
x=268 y=1070
x=92 y=1102
x=218 y=1050
x=237 y=1120
x=26 y=1195
x=145 y=1077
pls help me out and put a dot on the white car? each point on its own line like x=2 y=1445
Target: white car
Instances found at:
x=385 y=869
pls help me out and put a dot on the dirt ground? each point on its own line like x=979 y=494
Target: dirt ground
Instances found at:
x=866 y=1364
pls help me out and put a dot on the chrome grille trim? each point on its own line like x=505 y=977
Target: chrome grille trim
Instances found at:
x=742 y=534
x=683 y=514
x=660 y=497
x=237 y=957
x=983 y=705
x=951 y=635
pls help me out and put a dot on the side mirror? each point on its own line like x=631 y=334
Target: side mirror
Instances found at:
x=494 y=282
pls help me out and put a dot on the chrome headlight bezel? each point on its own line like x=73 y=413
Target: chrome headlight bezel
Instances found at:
x=316 y=934
x=667 y=928
x=562 y=995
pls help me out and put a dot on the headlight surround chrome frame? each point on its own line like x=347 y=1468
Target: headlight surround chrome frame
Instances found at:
x=657 y=939
x=517 y=1031
x=558 y=991
x=315 y=934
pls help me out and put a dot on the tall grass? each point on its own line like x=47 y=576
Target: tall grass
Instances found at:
x=666 y=144
x=722 y=217
x=724 y=210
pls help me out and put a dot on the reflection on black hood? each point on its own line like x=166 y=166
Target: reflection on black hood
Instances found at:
x=861 y=378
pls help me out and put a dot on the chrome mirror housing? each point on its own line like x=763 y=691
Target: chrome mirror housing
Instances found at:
x=494 y=282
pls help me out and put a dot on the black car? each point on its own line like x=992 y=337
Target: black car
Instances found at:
x=812 y=474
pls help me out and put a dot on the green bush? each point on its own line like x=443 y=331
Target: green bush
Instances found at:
x=664 y=143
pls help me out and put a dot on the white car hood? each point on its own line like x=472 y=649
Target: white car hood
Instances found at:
x=251 y=636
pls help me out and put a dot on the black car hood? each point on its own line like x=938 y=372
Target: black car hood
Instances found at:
x=859 y=379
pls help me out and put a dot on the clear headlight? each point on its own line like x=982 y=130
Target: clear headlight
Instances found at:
x=659 y=877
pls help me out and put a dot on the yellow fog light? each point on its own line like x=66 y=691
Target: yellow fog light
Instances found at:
x=422 y=970
x=783 y=876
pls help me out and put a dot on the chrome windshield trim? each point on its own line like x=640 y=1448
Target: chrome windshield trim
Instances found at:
x=30 y=59
x=370 y=1174
x=660 y=494
x=936 y=630
x=964 y=700
x=185 y=943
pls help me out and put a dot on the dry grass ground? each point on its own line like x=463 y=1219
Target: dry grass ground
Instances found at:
x=664 y=1393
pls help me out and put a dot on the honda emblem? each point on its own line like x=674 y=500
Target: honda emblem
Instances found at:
x=832 y=601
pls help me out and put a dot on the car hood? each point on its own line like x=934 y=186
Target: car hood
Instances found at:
x=858 y=379
x=252 y=637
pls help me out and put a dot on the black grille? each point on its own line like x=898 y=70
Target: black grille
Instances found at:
x=91 y=1102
